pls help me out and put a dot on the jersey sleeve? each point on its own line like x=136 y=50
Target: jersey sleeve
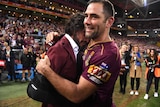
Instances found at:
x=102 y=64
x=98 y=72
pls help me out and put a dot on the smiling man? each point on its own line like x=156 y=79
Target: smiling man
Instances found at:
x=101 y=61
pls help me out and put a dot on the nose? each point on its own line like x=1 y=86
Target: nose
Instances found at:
x=87 y=20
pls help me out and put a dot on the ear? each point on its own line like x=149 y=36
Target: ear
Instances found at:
x=110 y=21
x=80 y=35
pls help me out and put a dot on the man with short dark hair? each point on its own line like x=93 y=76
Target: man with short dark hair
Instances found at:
x=63 y=57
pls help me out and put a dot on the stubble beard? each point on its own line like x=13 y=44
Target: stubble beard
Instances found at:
x=93 y=35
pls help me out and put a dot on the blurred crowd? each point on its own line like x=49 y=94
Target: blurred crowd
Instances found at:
x=144 y=43
x=145 y=24
x=47 y=7
x=22 y=33
x=14 y=30
x=18 y=35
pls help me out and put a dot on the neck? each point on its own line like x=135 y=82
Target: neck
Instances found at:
x=105 y=38
x=96 y=41
x=152 y=57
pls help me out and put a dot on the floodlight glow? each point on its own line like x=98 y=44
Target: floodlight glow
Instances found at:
x=145 y=2
x=140 y=3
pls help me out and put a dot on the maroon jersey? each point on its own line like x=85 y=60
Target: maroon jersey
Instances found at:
x=101 y=67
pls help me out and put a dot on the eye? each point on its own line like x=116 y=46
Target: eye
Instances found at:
x=85 y=15
x=94 y=16
x=91 y=16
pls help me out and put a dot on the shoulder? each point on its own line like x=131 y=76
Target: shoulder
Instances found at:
x=109 y=49
x=106 y=52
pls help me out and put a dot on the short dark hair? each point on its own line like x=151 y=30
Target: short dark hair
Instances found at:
x=108 y=7
x=75 y=24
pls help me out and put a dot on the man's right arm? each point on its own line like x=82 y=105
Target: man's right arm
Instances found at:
x=72 y=91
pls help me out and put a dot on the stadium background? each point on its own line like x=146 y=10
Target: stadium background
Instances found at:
x=137 y=21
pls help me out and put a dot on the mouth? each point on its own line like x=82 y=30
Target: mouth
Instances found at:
x=88 y=29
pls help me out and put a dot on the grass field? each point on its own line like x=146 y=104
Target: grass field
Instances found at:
x=13 y=94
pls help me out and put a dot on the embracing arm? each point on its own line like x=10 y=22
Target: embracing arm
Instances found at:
x=73 y=92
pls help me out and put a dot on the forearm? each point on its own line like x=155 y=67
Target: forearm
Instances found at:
x=73 y=92
x=65 y=87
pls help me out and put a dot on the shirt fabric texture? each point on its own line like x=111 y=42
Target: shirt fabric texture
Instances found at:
x=102 y=55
